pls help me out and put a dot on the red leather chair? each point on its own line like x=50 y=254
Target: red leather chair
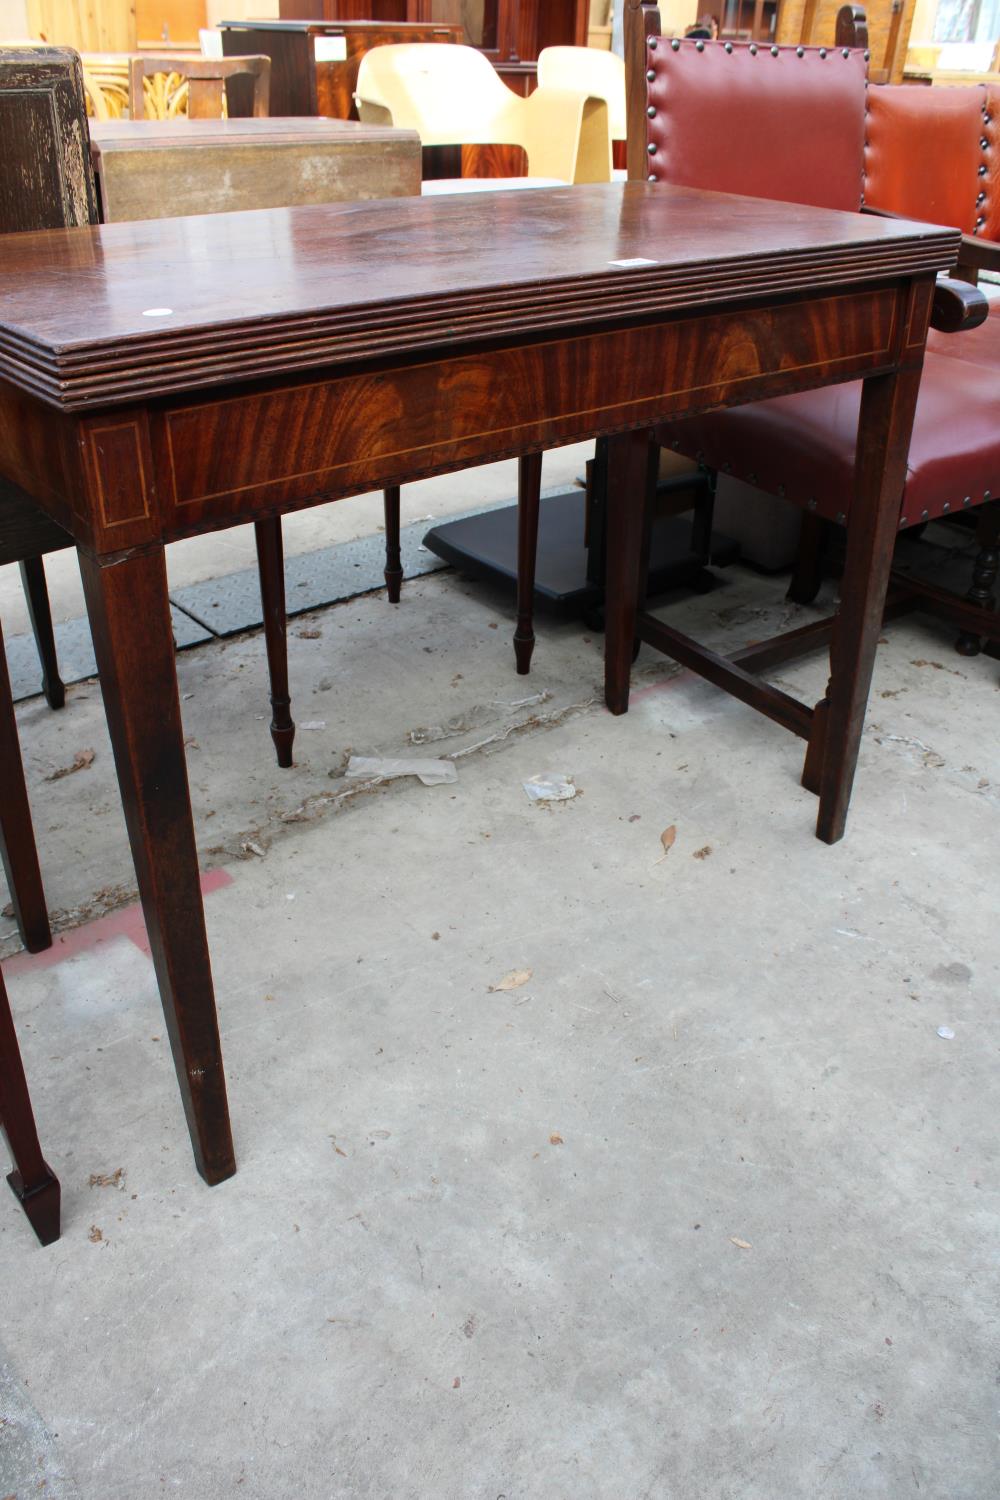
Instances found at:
x=792 y=124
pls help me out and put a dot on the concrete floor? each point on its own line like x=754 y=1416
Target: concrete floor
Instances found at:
x=704 y=1209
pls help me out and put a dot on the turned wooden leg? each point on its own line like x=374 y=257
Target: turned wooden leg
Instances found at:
x=271 y=569
x=887 y=407
x=529 y=485
x=33 y=1183
x=130 y=622
x=633 y=460
x=984 y=575
x=393 y=564
x=17 y=839
x=807 y=574
x=40 y=614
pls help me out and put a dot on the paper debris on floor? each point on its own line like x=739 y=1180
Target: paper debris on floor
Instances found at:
x=430 y=772
x=549 y=786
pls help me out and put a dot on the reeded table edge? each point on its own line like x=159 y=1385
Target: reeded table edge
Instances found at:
x=116 y=371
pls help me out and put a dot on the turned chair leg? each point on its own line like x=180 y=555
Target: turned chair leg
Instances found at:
x=807 y=574
x=32 y=1182
x=271 y=568
x=529 y=485
x=984 y=575
x=40 y=614
x=393 y=562
x=17 y=840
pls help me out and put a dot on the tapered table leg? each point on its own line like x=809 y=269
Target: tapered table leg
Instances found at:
x=529 y=486
x=36 y=594
x=32 y=1182
x=17 y=840
x=393 y=561
x=887 y=406
x=130 y=622
x=632 y=469
x=271 y=569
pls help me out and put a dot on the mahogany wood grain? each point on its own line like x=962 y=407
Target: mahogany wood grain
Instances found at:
x=529 y=486
x=40 y=614
x=887 y=406
x=130 y=622
x=303 y=85
x=32 y=1181
x=271 y=571
x=320 y=352
x=393 y=564
x=17 y=841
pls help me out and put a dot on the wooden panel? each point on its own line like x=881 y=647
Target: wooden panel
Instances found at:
x=98 y=26
x=889 y=23
x=46 y=180
x=336 y=436
x=302 y=86
x=169 y=22
x=154 y=171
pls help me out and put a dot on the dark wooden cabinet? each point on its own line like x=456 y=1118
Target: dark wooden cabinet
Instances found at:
x=314 y=63
x=511 y=32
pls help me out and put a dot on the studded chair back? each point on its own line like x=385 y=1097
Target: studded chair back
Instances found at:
x=771 y=122
x=928 y=156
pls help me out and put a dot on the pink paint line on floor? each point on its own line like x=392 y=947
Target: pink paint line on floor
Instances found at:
x=128 y=923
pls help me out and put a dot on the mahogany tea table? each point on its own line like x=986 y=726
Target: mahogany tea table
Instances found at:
x=158 y=380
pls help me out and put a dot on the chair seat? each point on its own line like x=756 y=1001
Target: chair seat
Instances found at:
x=980 y=345
x=802 y=446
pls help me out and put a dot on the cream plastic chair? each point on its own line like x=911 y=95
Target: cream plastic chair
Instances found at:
x=453 y=96
x=600 y=74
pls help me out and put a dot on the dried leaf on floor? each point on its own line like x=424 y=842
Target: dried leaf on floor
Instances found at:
x=248 y=847
x=309 y=635
x=667 y=838
x=95 y=1236
x=512 y=981
x=108 y=1179
x=740 y=1244
x=556 y=1140
x=703 y=853
x=81 y=760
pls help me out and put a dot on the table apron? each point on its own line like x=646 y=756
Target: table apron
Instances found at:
x=180 y=466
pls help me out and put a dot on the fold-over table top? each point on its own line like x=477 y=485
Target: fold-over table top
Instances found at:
x=124 y=312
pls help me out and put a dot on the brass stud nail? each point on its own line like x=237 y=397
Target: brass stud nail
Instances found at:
x=651 y=76
x=946 y=507
x=653 y=41
x=652 y=177
x=903 y=521
x=651 y=148
x=675 y=44
x=982 y=171
x=868 y=57
x=752 y=49
x=925 y=515
x=699 y=46
x=984 y=143
x=846 y=52
x=651 y=111
x=774 y=51
x=822 y=52
x=800 y=52
x=980 y=198
x=967 y=500
x=729 y=47
x=986 y=494
x=841 y=518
